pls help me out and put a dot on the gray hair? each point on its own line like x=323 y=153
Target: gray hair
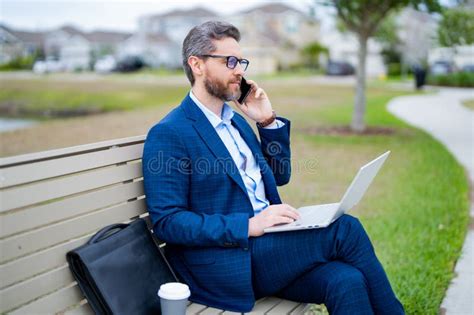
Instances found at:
x=198 y=42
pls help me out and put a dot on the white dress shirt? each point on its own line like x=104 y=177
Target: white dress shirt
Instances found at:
x=240 y=152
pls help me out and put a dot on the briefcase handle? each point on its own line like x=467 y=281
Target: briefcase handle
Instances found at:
x=105 y=232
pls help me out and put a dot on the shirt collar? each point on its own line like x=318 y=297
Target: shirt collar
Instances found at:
x=226 y=115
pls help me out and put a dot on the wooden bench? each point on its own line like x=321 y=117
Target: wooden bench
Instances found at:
x=54 y=201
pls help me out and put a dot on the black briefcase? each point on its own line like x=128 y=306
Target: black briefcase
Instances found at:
x=120 y=270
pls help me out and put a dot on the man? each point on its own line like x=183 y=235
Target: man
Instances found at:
x=211 y=190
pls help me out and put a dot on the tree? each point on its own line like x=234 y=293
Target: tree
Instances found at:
x=387 y=36
x=456 y=27
x=311 y=53
x=363 y=17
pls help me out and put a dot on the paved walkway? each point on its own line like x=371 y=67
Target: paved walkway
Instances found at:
x=442 y=115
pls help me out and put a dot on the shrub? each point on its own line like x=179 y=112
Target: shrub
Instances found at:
x=311 y=52
x=394 y=69
x=458 y=79
x=18 y=63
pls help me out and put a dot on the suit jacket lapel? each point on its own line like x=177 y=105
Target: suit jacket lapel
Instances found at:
x=212 y=140
x=268 y=178
x=248 y=138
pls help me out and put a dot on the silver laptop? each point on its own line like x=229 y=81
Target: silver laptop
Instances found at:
x=320 y=216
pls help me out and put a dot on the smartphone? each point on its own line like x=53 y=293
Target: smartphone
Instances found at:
x=244 y=90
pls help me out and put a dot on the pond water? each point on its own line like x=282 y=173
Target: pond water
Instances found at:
x=8 y=124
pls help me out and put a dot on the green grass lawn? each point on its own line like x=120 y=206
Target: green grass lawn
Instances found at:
x=39 y=98
x=416 y=211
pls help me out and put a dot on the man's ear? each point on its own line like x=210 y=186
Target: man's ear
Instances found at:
x=196 y=65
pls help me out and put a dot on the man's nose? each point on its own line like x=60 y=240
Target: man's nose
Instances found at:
x=239 y=69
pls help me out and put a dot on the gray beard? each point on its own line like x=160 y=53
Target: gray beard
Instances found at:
x=217 y=89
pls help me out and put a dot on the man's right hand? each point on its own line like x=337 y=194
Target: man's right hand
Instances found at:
x=272 y=215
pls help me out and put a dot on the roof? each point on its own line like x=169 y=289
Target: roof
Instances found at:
x=151 y=38
x=158 y=38
x=98 y=36
x=106 y=36
x=71 y=30
x=272 y=8
x=25 y=36
x=193 y=12
x=5 y=27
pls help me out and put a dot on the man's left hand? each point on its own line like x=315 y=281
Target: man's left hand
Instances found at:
x=257 y=106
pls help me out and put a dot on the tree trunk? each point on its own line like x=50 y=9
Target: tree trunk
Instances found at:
x=358 y=123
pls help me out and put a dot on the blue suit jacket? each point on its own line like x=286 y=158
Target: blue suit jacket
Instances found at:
x=198 y=203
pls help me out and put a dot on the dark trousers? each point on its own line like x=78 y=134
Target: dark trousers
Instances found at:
x=336 y=266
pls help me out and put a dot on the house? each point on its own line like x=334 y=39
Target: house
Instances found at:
x=56 y=40
x=73 y=48
x=78 y=50
x=160 y=36
x=344 y=46
x=156 y=50
x=69 y=46
x=459 y=56
x=285 y=23
x=105 y=42
x=176 y=23
x=16 y=43
x=273 y=35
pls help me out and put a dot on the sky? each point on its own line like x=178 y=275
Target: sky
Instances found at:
x=120 y=15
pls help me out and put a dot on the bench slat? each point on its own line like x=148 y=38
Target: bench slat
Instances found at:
x=28 y=218
x=192 y=309
x=82 y=309
x=236 y=313
x=284 y=307
x=265 y=306
x=54 y=201
x=28 y=173
x=300 y=310
x=34 y=264
x=58 y=153
x=195 y=308
x=211 y=311
x=29 y=242
x=56 y=188
x=30 y=289
x=54 y=302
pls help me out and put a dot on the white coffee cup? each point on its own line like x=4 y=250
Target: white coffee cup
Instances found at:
x=174 y=298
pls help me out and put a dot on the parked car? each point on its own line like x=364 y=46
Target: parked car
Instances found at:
x=129 y=64
x=442 y=67
x=39 y=67
x=105 y=64
x=50 y=65
x=468 y=68
x=339 y=68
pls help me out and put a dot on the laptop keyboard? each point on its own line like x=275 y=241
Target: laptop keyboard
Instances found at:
x=317 y=214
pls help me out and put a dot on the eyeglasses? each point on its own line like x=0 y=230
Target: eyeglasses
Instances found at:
x=232 y=61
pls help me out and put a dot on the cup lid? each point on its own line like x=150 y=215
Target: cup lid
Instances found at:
x=174 y=291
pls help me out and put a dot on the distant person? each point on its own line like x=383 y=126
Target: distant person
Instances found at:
x=211 y=190
x=420 y=76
